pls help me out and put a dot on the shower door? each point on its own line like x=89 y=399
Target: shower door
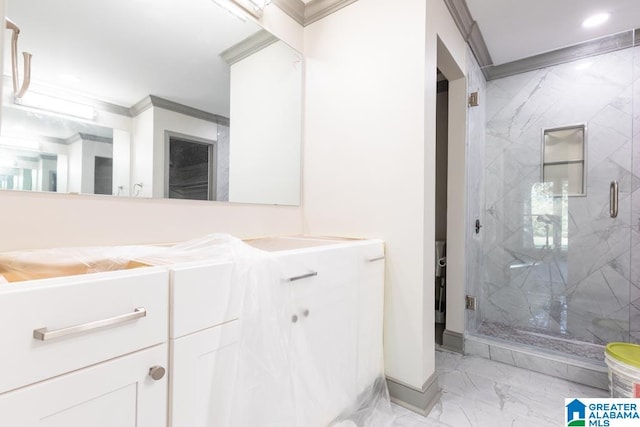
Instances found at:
x=557 y=268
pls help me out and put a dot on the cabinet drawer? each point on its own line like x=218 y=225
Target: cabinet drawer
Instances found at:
x=107 y=300
x=334 y=266
x=203 y=296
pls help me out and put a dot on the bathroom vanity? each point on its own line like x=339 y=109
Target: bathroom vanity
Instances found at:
x=159 y=345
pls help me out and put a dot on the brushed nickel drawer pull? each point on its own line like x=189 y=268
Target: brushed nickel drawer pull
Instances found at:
x=378 y=258
x=303 y=276
x=43 y=334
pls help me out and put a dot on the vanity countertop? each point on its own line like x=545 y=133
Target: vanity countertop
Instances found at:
x=20 y=266
x=26 y=265
x=287 y=243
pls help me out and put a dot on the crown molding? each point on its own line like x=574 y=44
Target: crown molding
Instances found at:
x=599 y=46
x=109 y=107
x=155 y=101
x=318 y=9
x=76 y=137
x=293 y=8
x=469 y=29
x=247 y=47
x=308 y=13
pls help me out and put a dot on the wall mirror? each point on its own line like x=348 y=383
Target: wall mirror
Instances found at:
x=114 y=83
x=564 y=159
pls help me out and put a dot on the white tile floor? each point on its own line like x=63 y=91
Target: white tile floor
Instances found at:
x=484 y=393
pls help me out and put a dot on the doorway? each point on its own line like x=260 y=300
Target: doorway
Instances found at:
x=190 y=171
x=442 y=144
x=450 y=201
x=103 y=175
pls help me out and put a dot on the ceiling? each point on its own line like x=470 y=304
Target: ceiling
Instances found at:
x=121 y=51
x=514 y=30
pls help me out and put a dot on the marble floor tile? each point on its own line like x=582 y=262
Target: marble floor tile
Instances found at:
x=478 y=392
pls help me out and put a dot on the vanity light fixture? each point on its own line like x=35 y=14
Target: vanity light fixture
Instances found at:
x=56 y=105
x=595 y=20
x=253 y=7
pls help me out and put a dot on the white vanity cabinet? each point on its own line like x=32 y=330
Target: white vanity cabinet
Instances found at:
x=85 y=350
x=335 y=316
x=204 y=337
x=336 y=321
x=160 y=346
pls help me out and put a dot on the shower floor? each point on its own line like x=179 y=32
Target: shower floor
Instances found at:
x=530 y=337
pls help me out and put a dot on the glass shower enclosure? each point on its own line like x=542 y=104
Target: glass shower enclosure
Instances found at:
x=557 y=263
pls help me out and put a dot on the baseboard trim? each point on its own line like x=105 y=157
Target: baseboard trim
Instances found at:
x=413 y=399
x=453 y=341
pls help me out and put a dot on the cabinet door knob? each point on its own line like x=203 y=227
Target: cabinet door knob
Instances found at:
x=305 y=313
x=156 y=372
x=294 y=318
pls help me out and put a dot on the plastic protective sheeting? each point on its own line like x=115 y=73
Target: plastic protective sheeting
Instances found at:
x=294 y=373
x=286 y=375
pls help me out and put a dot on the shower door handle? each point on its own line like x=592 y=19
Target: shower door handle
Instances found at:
x=613 y=199
x=478 y=226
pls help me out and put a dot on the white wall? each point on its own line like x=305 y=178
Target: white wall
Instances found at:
x=370 y=153
x=142 y=154
x=99 y=220
x=75 y=165
x=121 y=162
x=76 y=220
x=266 y=92
x=63 y=174
x=283 y=27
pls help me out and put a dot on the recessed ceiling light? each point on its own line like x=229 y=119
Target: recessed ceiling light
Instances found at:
x=595 y=20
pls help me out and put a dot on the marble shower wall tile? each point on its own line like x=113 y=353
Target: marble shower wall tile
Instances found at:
x=583 y=291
